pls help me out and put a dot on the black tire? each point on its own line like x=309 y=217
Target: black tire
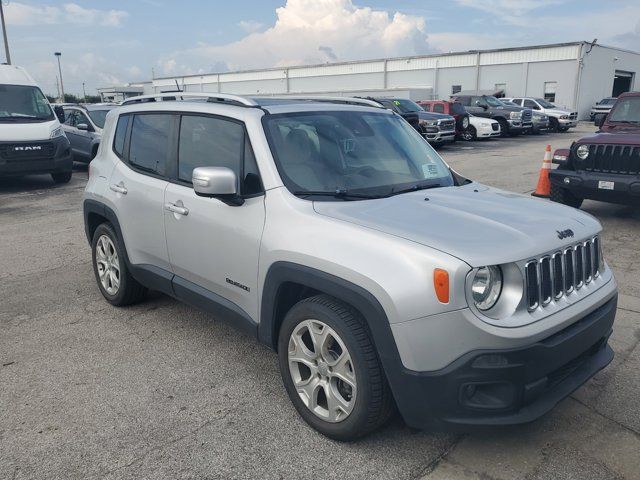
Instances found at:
x=504 y=127
x=564 y=196
x=469 y=134
x=129 y=291
x=553 y=124
x=563 y=129
x=373 y=402
x=62 y=177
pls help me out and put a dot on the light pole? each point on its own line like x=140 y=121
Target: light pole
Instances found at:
x=4 y=33
x=58 y=54
x=84 y=93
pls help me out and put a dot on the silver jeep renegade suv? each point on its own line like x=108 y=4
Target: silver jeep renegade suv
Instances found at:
x=332 y=232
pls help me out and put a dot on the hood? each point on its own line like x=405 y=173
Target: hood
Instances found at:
x=433 y=116
x=557 y=111
x=25 y=132
x=618 y=135
x=475 y=223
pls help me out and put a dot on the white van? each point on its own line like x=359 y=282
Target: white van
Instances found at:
x=31 y=138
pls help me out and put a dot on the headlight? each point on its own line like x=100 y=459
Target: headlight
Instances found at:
x=515 y=115
x=486 y=287
x=428 y=123
x=564 y=117
x=57 y=132
x=582 y=152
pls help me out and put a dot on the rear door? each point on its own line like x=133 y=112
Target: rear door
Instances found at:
x=214 y=247
x=146 y=144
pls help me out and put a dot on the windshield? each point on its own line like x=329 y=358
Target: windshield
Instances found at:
x=493 y=101
x=544 y=103
x=376 y=154
x=627 y=110
x=23 y=103
x=405 y=105
x=98 y=117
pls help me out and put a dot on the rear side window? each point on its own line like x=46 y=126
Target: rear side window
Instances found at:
x=438 y=108
x=456 y=108
x=426 y=106
x=121 y=132
x=149 y=145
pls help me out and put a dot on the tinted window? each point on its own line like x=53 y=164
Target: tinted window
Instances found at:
x=121 y=131
x=98 y=117
x=209 y=142
x=426 y=106
x=456 y=109
x=531 y=104
x=150 y=142
x=438 y=108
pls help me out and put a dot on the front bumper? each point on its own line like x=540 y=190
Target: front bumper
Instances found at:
x=518 y=125
x=486 y=131
x=626 y=188
x=54 y=156
x=507 y=386
x=440 y=137
x=566 y=122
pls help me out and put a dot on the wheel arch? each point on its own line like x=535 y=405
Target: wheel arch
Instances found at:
x=96 y=213
x=286 y=283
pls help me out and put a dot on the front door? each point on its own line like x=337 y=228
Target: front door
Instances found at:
x=211 y=244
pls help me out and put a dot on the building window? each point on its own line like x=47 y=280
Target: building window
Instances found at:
x=500 y=89
x=550 y=91
x=455 y=89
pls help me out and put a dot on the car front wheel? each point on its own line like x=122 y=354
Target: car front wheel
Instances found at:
x=64 y=177
x=562 y=195
x=469 y=133
x=331 y=370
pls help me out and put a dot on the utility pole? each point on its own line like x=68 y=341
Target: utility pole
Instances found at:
x=84 y=93
x=4 y=33
x=58 y=54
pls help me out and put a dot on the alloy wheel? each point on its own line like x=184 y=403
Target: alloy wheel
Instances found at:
x=322 y=370
x=108 y=264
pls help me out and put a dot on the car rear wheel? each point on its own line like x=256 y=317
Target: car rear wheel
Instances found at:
x=114 y=280
x=63 y=177
x=564 y=196
x=469 y=133
x=331 y=370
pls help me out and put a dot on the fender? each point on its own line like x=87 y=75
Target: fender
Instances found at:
x=356 y=296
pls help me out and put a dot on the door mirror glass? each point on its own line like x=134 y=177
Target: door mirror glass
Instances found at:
x=218 y=182
x=59 y=111
x=83 y=126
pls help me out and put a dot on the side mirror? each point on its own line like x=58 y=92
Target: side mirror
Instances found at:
x=59 y=111
x=83 y=126
x=217 y=182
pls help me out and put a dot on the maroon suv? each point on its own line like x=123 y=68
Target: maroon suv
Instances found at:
x=455 y=109
x=604 y=166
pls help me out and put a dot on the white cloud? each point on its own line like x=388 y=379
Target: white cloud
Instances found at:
x=513 y=12
x=250 y=26
x=22 y=14
x=316 y=31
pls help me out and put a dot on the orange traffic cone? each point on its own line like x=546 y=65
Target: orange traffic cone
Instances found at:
x=544 y=185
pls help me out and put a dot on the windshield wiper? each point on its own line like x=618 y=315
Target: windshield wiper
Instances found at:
x=337 y=193
x=414 y=188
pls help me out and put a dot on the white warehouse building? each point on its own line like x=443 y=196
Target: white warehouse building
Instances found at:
x=575 y=75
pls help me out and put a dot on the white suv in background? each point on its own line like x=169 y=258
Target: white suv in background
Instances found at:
x=331 y=231
x=560 y=119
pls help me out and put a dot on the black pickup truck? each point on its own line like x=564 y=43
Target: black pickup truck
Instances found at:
x=512 y=119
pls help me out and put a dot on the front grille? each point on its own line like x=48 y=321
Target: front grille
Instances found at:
x=622 y=159
x=551 y=277
x=526 y=115
x=27 y=150
x=447 y=125
x=573 y=116
x=495 y=126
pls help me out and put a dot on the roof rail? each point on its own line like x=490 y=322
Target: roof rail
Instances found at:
x=322 y=98
x=176 y=96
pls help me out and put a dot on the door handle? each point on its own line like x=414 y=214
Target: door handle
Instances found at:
x=118 y=189
x=176 y=209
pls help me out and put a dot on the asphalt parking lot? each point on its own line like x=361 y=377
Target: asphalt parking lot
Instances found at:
x=162 y=390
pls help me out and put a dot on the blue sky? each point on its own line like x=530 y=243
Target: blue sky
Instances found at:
x=120 y=41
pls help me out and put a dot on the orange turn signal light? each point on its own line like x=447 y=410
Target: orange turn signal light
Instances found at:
x=441 y=284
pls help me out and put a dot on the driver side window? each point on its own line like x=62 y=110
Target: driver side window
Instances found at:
x=531 y=104
x=70 y=119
